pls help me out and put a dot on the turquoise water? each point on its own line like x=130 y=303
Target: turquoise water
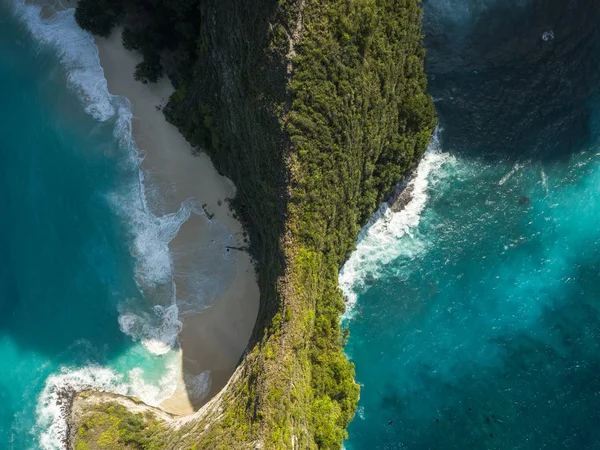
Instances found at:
x=475 y=320
x=69 y=184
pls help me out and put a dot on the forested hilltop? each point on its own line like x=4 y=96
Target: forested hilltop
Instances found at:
x=315 y=109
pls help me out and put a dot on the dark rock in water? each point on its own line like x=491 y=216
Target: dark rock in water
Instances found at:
x=524 y=201
x=65 y=395
x=402 y=194
x=390 y=422
x=396 y=201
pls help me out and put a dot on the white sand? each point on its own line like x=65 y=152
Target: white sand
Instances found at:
x=214 y=339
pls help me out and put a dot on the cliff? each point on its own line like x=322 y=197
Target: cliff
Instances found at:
x=315 y=109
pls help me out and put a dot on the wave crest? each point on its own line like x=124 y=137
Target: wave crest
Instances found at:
x=155 y=323
x=377 y=243
x=56 y=398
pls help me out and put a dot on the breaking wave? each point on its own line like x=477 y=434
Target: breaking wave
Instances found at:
x=154 y=320
x=55 y=400
x=378 y=242
x=150 y=234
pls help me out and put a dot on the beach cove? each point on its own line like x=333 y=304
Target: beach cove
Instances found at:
x=158 y=296
x=214 y=339
x=310 y=163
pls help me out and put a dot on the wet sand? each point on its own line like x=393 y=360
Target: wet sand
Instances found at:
x=213 y=340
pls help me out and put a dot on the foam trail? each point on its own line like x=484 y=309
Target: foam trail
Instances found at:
x=545 y=181
x=378 y=241
x=55 y=400
x=152 y=237
x=78 y=54
x=197 y=261
x=60 y=389
x=198 y=386
x=151 y=393
x=158 y=327
x=508 y=176
x=156 y=330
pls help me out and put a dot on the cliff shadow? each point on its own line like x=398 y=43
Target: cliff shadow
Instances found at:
x=238 y=98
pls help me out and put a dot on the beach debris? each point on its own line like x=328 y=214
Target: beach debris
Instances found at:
x=209 y=215
x=241 y=249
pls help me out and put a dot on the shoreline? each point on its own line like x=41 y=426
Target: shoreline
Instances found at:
x=212 y=341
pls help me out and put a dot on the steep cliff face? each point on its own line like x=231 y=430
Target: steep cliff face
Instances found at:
x=315 y=109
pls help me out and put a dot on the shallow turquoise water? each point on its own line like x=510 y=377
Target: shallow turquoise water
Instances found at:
x=476 y=321
x=66 y=264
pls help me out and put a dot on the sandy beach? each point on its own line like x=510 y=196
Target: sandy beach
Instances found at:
x=213 y=340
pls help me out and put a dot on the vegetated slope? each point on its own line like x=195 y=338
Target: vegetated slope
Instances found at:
x=315 y=109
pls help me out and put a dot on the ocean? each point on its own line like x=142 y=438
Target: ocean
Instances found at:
x=86 y=289
x=474 y=313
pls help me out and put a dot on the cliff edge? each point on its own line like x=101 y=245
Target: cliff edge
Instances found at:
x=315 y=109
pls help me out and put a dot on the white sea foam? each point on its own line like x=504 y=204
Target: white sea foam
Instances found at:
x=59 y=390
x=378 y=241
x=79 y=56
x=548 y=36
x=151 y=234
x=156 y=330
x=55 y=400
x=198 y=386
x=518 y=166
x=545 y=182
x=157 y=326
x=151 y=393
x=77 y=53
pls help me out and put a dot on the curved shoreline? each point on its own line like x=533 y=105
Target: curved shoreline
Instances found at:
x=212 y=341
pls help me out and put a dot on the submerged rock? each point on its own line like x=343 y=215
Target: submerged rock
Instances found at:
x=524 y=200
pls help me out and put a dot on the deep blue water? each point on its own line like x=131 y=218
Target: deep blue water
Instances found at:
x=476 y=321
x=66 y=264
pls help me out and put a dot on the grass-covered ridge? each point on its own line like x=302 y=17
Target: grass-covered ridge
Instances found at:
x=112 y=426
x=315 y=109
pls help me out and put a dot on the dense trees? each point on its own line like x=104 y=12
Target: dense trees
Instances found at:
x=164 y=32
x=101 y=24
x=313 y=145
x=360 y=119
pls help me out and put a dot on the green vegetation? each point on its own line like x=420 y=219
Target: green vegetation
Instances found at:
x=111 y=426
x=315 y=109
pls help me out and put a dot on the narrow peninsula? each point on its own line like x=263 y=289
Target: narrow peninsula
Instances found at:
x=315 y=110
